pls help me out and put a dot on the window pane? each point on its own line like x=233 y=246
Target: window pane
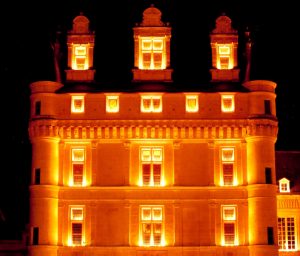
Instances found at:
x=146 y=154
x=156 y=173
x=229 y=233
x=157 y=45
x=77 y=174
x=229 y=213
x=146 y=214
x=146 y=104
x=146 y=60
x=157 y=60
x=157 y=233
x=228 y=174
x=227 y=154
x=77 y=233
x=157 y=154
x=157 y=213
x=156 y=104
x=78 y=155
x=77 y=214
x=146 y=174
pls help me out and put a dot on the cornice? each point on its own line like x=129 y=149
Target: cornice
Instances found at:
x=153 y=129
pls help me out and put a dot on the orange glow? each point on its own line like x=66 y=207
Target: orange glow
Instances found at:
x=191 y=103
x=229 y=226
x=77 y=105
x=227 y=104
x=112 y=103
x=80 y=57
x=152 y=53
x=151 y=103
x=224 y=56
x=76 y=226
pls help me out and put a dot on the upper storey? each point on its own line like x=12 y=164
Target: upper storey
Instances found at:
x=152 y=48
x=224 y=45
x=80 y=42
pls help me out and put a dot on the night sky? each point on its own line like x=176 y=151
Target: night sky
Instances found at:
x=29 y=27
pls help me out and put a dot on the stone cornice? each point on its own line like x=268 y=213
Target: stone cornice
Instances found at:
x=152 y=129
x=288 y=202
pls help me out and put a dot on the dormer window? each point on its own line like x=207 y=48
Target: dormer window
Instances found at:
x=151 y=103
x=152 y=53
x=284 y=185
x=77 y=104
x=191 y=103
x=112 y=103
x=80 y=57
x=227 y=104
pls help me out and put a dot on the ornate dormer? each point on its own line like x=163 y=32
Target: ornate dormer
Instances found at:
x=224 y=44
x=80 y=42
x=152 y=48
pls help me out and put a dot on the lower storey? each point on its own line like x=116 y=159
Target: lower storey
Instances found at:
x=258 y=250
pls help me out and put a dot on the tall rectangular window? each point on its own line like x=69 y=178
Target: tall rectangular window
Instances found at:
x=267 y=107
x=151 y=166
x=37 y=108
x=37 y=176
x=151 y=103
x=227 y=103
x=77 y=104
x=35 y=236
x=152 y=53
x=268 y=174
x=78 y=164
x=270 y=234
x=151 y=225
x=229 y=225
x=287 y=234
x=224 y=56
x=227 y=172
x=77 y=219
x=80 y=57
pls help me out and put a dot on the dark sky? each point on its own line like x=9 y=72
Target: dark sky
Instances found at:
x=29 y=27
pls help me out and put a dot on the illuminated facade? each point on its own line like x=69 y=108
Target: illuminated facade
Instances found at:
x=156 y=170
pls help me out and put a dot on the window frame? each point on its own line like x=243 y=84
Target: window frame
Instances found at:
x=76 y=55
x=188 y=108
x=151 y=221
x=74 y=108
x=77 y=162
x=225 y=161
x=151 y=108
x=225 y=109
x=285 y=231
x=286 y=182
x=76 y=221
x=109 y=108
x=226 y=221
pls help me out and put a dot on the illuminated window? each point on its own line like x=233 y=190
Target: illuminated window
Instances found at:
x=227 y=173
x=229 y=225
x=227 y=103
x=151 y=225
x=224 y=59
x=77 y=220
x=151 y=166
x=77 y=105
x=80 y=57
x=78 y=163
x=287 y=234
x=151 y=104
x=284 y=185
x=191 y=103
x=112 y=103
x=152 y=53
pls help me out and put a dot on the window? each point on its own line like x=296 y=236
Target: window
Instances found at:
x=78 y=164
x=80 y=57
x=284 y=185
x=151 y=166
x=77 y=220
x=227 y=171
x=267 y=107
x=37 y=108
x=286 y=234
x=77 y=105
x=191 y=103
x=112 y=103
x=152 y=53
x=224 y=59
x=151 y=226
x=270 y=234
x=227 y=103
x=37 y=176
x=35 y=236
x=229 y=225
x=151 y=104
x=268 y=174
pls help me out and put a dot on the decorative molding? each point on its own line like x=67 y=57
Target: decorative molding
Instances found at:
x=156 y=129
x=288 y=203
